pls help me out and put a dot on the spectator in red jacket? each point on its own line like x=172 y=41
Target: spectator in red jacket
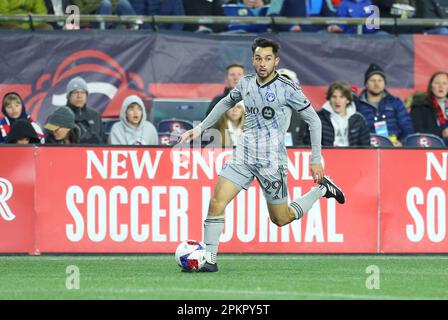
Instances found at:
x=430 y=115
x=22 y=132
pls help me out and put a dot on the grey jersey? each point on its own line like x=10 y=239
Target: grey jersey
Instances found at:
x=268 y=109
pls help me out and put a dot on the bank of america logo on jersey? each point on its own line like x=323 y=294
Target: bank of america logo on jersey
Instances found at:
x=5 y=193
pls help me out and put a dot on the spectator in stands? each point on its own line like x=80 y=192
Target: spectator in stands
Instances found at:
x=234 y=72
x=296 y=120
x=133 y=128
x=417 y=97
x=105 y=7
x=254 y=5
x=247 y=8
x=247 y=3
x=61 y=128
x=342 y=126
x=302 y=8
x=22 y=132
x=13 y=109
x=24 y=7
x=353 y=9
x=385 y=7
x=204 y=8
x=230 y=125
x=433 y=9
x=430 y=114
x=161 y=8
x=57 y=7
x=87 y=119
x=385 y=114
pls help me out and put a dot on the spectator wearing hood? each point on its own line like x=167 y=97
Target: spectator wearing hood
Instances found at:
x=61 y=128
x=342 y=126
x=86 y=118
x=133 y=129
x=13 y=109
x=22 y=132
x=386 y=114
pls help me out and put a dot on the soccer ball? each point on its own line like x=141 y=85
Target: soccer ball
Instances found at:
x=190 y=255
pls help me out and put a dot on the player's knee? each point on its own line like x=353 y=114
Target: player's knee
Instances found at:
x=217 y=206
x=279 y=221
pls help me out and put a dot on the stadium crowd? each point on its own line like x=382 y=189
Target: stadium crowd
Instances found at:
x=348 y=118
x=401 y=9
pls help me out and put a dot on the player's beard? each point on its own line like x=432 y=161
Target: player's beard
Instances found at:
x=265 y=77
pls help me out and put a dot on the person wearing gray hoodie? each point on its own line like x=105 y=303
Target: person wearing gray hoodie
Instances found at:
x=342 y=126
x=133 y=129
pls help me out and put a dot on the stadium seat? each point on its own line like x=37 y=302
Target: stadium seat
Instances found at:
x=167 y=139
x=424 y=140
x=174 y=126
x=192 y=110
x=378 y=141
x=240 y=10
x=107 y=124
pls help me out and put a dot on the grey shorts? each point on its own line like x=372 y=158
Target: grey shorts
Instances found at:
x=273 y=181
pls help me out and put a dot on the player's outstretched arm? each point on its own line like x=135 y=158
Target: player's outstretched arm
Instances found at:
x=218 y=110
x=315 y=126
x=189 y=135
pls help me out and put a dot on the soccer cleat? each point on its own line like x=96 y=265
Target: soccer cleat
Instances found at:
x=209 y=267
x=332 y=190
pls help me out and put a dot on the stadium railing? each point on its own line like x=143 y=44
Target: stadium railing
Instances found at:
x=270 y=20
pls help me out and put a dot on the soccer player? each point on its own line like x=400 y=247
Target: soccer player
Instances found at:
x=269 y=100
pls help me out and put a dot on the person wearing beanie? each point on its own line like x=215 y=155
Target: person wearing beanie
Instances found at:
x=13 y=109
x=133 y=129
x=22 y=132
x=61 y=128
x=386 y=114
x=86 y=118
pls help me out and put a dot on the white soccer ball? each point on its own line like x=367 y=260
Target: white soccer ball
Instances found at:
x=190 y=255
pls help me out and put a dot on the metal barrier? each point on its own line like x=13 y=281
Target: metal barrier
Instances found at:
x=272 y=20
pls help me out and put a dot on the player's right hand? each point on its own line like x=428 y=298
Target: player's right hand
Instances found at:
x=317 y=172
x=189 y=135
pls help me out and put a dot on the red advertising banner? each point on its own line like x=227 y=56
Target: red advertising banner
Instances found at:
x=17 y=177
x=119 y=199
x=148 y=199
x=413 y=202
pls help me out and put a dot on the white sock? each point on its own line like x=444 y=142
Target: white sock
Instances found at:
x=301 y=205
x=210 y=257
x=213 y=227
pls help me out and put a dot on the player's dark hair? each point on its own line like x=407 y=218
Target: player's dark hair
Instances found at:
x=265 y=43
x=235 y=65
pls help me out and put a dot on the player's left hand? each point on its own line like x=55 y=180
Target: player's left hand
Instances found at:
x=317 y=172
x=189 y=135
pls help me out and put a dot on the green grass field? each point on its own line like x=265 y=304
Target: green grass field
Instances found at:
x=240 y=277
